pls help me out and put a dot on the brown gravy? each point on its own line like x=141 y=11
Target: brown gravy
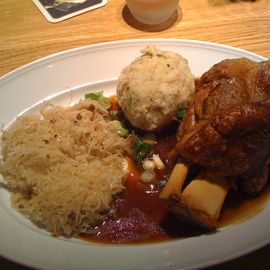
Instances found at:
x=238 y=207
x=140 y=216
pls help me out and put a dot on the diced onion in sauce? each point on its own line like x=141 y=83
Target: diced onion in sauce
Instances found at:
x=148 y=164
x=158 y=162
x=148 y=176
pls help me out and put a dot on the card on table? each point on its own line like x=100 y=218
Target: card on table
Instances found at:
x=59 y=10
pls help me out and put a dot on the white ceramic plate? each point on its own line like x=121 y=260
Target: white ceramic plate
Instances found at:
x=63 y=78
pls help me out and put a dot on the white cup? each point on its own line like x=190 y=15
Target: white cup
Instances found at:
x=152 y=11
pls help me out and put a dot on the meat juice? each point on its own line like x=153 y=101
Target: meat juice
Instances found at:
x=140 y=216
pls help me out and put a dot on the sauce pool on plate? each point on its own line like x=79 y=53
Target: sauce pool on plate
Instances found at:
x=140 y=216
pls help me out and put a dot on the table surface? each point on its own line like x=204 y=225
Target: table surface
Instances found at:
x=26 y=36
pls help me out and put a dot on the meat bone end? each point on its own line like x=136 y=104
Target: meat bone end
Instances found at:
x=201 y=201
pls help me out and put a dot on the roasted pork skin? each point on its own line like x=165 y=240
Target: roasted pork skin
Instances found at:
x=227 y=127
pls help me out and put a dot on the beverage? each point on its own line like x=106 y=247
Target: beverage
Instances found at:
x=152 y=11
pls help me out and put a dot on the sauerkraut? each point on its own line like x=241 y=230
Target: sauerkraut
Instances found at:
x=64 y=165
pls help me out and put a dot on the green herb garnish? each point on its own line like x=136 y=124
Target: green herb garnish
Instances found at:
x=104 y=102
x=123 y=132
x=161 y=183
x=141 y=150
x=93 y=96
x=100 y=98
x=181 y=113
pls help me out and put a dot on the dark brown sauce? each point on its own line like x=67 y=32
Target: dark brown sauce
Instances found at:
x=140 y=216
x=239 y=207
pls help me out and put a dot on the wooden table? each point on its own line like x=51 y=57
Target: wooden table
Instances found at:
x=26 y=36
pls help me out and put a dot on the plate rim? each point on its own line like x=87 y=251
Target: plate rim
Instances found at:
x=79 y=50
x=105 y=45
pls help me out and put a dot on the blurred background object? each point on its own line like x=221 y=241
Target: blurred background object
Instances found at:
x=152 y=11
